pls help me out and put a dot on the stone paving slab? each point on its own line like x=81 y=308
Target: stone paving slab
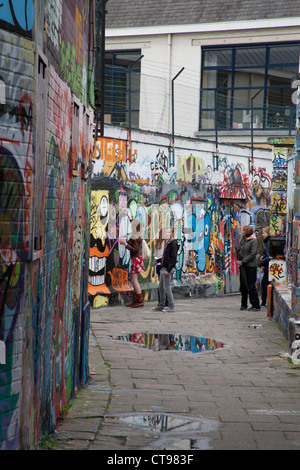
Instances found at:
x=247 y=390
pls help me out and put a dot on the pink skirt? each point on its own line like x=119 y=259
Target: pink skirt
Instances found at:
x=137 y=265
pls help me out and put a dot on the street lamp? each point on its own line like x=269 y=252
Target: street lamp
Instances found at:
x=172 y=150
x=251 y=161
x=216 y=154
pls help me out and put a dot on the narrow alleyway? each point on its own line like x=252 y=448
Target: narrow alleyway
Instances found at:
x=242 y=395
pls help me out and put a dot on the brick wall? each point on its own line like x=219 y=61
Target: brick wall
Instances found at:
x=45 y=148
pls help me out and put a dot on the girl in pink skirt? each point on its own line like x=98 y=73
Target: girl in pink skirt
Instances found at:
x=134 y=245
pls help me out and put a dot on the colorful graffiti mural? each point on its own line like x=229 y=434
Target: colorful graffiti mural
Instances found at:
x=44 y=216
x=207 y=209
x=16 y=165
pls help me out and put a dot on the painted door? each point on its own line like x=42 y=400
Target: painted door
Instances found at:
x=230 y=229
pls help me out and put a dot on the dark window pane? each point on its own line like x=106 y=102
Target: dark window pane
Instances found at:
x=207 y=119
x=252 y=57
x=288 y=71
x=248 y=79
x=284 y=54
x=241 y=118
x=118 y=87
x=279 y=95
x=218 y=58
x=279 y=116
x=208 y=99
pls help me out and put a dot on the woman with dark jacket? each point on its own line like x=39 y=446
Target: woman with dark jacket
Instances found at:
x=168 y=262
x=264 y=263
x=246 y=254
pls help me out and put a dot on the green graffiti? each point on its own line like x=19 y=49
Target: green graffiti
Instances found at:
x=72 y=73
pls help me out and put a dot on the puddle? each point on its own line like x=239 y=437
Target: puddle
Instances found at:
x=165 y=431
x=169 y=342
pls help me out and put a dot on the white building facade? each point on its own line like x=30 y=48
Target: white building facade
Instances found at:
x=225 y=68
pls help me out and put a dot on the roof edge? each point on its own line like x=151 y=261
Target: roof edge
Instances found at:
x=204 y=27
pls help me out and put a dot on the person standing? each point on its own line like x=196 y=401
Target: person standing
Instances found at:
x=134 y=245
x=158 y=254
x=264 y=263
x=247 y=262
x=168 y=263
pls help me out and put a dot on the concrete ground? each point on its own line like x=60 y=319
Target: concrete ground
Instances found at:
x=244 y=395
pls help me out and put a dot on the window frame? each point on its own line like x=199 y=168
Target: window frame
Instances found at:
x=264 y=108
x=110 y=106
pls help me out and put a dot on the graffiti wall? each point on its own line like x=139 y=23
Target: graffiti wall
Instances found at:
x=16 y=166
x=132 y=178
x=45 y=162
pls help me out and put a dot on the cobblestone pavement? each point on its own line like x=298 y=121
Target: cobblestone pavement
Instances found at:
x=244 y=395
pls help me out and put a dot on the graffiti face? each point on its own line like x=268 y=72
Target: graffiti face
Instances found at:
x=99 y=250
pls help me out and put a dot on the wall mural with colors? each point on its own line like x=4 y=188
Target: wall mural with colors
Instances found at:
x=45 y=164
x=136 y=179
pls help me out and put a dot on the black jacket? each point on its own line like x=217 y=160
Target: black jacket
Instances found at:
x=266 y=253
x=247 y=252
x=170 y=256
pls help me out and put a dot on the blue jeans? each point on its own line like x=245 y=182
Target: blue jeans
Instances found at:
x=165 y=289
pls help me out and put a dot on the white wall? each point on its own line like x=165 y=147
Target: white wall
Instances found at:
x=167 y=49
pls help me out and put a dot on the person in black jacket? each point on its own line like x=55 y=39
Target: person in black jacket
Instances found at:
x=168 y=262
x=246 y=254
x=264 y=263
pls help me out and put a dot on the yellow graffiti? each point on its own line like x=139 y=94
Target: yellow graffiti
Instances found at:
x=100 y=301
x=99 y=214
x=191 y=169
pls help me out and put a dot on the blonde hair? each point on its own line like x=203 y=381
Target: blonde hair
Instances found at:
x=159 y=241
x=266 y=229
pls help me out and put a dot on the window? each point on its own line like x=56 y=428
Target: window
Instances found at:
x=238 y=77
x=122 y=88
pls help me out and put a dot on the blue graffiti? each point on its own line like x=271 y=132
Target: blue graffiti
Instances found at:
x=17 y=15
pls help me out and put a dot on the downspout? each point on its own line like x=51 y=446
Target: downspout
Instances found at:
x=169 y=63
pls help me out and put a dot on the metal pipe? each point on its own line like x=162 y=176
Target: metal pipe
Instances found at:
x=252 y=156
x=216 y=120
x=173 y=126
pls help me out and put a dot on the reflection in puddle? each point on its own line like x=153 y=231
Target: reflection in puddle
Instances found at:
x=166 y=431
x=176 y=342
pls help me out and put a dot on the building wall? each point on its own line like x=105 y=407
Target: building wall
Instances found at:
x=167 y=49
x=139 y=177
x=45 y=149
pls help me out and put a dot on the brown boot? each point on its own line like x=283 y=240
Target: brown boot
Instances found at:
x=139 y=301
x=133 y=300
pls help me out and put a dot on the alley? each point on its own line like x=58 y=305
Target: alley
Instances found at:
x=242 y=395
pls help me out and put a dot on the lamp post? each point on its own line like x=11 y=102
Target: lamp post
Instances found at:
x=100 y=67
x=173 y=79
x=216 y=154
x=251 y=163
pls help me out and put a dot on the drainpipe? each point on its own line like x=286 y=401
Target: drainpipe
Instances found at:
x=169 y=64
x=173 y=113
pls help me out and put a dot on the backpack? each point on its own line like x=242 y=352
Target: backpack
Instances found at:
x=145 y=251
